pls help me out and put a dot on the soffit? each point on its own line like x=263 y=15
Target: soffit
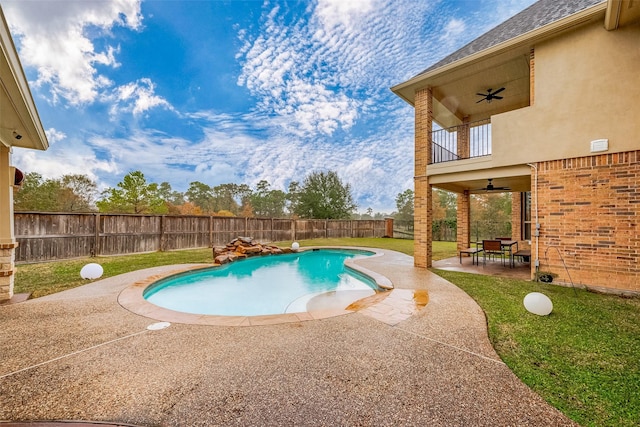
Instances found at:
x=517 y=179
x=455 y=92
x=18 y=113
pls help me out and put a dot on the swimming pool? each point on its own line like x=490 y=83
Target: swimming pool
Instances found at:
x=266 y=285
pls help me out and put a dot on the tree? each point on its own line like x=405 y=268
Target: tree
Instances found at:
x=292 y=197
x=267 y=202
x=324 y=196
x=224 y=198
x=71 y=193
x=491 y=215
x=167 y=194
x=201 y=195
x=133 y=195
x=404 y=204
x=444 y=216
x=78 y=193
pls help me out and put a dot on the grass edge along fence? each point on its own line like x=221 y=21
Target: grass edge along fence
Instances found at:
x=44 y=236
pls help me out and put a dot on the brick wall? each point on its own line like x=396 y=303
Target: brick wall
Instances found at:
x=589 y=209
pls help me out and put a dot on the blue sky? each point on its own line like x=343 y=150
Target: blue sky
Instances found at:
x=235 y=91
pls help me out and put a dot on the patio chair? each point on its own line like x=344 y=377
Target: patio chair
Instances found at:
x=491 y=247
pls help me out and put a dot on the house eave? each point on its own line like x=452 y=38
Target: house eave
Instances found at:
x=407 y=89
x=20 y=124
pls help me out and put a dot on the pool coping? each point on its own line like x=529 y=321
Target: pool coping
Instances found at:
x=132 y=299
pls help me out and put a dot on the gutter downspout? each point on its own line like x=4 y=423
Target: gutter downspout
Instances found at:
x=536 y=232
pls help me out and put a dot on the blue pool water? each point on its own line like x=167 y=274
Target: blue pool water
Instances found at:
x=273 y=284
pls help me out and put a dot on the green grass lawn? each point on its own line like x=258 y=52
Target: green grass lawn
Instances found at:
x=50 y=277
x=584 y=358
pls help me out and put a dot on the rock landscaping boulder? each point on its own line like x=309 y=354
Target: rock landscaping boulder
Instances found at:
x=242 y=247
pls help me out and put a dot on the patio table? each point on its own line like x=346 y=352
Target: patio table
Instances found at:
x=508 y=245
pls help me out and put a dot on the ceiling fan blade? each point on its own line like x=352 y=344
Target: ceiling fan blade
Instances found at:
x=478 y=102
x=481 y=94
x=498 y=91
x=497 y=97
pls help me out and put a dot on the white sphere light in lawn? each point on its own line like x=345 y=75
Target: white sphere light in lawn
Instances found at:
x=91 y=271
x=538 y=303
x=295 y=246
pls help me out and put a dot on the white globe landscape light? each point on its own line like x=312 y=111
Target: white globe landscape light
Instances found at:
x=295 y=246
x=538 y=303
x=91 y=271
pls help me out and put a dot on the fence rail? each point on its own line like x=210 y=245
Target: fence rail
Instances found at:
x=57 y=236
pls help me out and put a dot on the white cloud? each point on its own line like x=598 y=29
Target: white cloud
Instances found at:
x=54 y=135
x=454 y=28
x=334 y=13
x=137 y=97
x=63 y=159
x=54 y=40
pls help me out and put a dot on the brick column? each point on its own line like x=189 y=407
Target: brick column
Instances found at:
x=422 y=190
x=463 y=232
x=7 y=239
x=464 y=148
x=516 y=216
x=532 y=76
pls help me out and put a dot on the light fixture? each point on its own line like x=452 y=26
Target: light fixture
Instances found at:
x=16 y=135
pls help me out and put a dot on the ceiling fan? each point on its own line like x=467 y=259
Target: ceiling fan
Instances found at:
x=491 y=187
x=489 y=96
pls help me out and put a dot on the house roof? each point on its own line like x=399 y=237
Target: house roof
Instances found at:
x=20 y=124
x=535 y=16
x=500 y=59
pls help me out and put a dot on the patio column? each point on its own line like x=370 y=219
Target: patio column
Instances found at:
x=422 y=189
x=7 y=239
x=463 y=232
x=464 y=150
x=516 y=219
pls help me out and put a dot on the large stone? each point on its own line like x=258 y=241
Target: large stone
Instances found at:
x=222 y=259
x=242 y=247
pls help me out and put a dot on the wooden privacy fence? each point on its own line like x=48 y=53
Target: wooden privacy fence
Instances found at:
x=56 y=236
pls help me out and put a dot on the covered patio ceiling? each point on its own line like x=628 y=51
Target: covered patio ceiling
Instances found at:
x=476 y=184
x=455 y=87
x=456 y=93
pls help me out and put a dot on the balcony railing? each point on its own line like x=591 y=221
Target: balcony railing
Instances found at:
x=461 y=142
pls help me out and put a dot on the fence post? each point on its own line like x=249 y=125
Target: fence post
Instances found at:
x=211 y=230
x=161 y=233
x=293 y=229
x=326 y=228
x=388 y=227
x=97 y=250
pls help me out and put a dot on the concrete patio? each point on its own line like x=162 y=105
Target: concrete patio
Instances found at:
x=79 y=355
x=520 y=270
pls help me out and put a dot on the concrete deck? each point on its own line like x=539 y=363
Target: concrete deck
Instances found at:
x=79 y=355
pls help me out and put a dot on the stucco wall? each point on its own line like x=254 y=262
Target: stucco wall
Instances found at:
x=587 y=87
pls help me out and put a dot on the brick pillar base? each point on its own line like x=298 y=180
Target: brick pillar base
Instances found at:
x=7 y=257
x=464 y=221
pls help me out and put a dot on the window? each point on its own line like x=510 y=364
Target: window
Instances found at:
x=525 y=215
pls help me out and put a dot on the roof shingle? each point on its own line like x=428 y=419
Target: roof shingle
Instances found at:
x=537 y=15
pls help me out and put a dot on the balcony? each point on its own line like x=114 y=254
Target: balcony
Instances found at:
x=465 y=141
